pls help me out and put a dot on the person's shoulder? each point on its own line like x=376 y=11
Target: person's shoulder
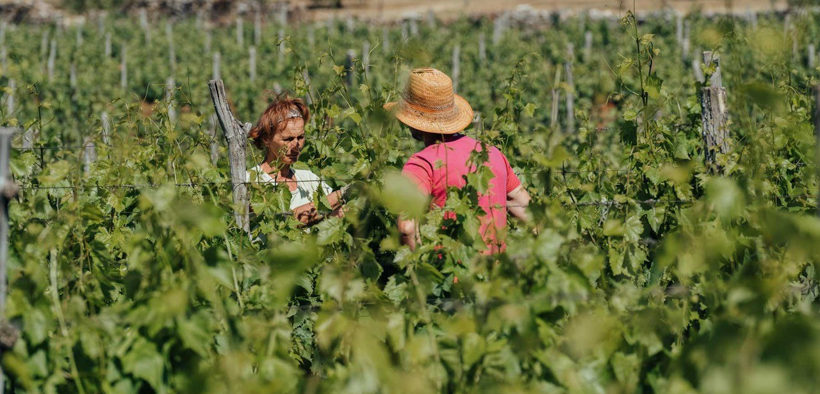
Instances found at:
x=305 y=174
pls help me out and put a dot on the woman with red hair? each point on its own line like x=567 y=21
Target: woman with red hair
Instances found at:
x=280 y=134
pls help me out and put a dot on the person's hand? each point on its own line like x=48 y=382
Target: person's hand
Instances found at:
x=307 y=214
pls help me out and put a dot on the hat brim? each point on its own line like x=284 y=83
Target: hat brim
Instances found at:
x=431 y=121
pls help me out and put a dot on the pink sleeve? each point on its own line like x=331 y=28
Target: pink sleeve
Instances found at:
x=421 y=172
x=512 y=179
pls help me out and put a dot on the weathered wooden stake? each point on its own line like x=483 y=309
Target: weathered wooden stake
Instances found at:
x=30 y=137
x=306 y=78
x=236 y=135
x=52 y=58
x=817 y=141
x=89 y=156
x=106 y=128
x=350 y=26
x=144 y=24
x=107 y=48
x=79 y=36
x=10 y=97
x=570 y=97
x=281 y=36
x=385 y=41
x=172 y=57
x=684 y=48
x=482 y=47
x=679 y=28
x=709 y=58
x=456 y=66
x=696 y=69
x=587 y=46
x=8 y=190
x=215 y=66
x=124 y=69
x=257 y=29
x=240 y=33
x=414 y=27
x=714 y=115
x=366 y=58
x=4 y=58
x=252 y=63
x=811 y=56
x=170 y=86
x=44 y=47
x=556 y=93
x=349 y=72
x=72 y=75
x=212 y=136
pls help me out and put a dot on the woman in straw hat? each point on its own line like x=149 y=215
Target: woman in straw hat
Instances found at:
x=436 y=116
x=280 y=133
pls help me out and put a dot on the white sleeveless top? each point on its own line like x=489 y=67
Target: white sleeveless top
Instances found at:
x=307 y=184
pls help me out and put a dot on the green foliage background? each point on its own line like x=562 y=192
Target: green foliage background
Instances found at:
x=642 y=271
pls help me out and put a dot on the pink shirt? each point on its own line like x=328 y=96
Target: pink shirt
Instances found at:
x=443 y=165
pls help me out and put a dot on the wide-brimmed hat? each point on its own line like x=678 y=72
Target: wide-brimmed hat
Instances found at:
x=429 y=104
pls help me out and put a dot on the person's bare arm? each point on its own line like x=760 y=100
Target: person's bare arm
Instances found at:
x=517 y=202
x=407 y=232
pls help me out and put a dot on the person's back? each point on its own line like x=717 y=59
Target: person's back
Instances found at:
x=436 y=116
x=445 y=164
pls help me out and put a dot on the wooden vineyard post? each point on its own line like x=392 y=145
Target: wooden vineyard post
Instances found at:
x=172 y=57
x=308 y=94
x=252 y=63
x=8 y=190
x=684 y=47
x=107 y=47
x=170 y=86
x=556 y=95
x=587 y=46
x=44 y=47
x=482 y=47
x=385 y=41
x=456 y=66
x=144 y=24
x=817 y=141
x=349 y=67
x=240 y=34
x=10 y=98
x=811 y=55
x=570 y=90
x=4 y=58
x=236 y=136
x=281 y=36
x=257 y=29
x=124 y=69
x=366 y=59
x=714 y=114
x=72 y=75
x=106 y=128
x=29 y=137
x=52 y=58
x=215 y=66
x=89 y=156
x=212 y=135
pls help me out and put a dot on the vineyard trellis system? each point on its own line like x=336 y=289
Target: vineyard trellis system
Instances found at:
x=672 y=161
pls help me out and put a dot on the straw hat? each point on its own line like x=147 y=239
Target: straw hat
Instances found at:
x=429 y=104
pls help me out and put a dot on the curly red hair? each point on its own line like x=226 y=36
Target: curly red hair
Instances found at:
x=276 y=117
